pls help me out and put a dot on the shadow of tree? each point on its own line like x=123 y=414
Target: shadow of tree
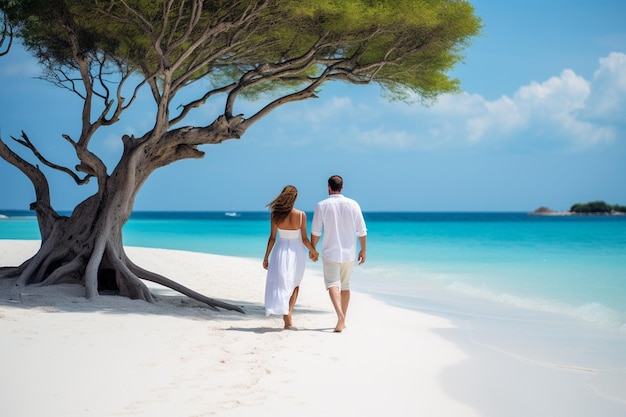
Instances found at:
x=71 y=298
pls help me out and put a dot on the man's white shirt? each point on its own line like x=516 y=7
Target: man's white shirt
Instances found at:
x=341 y=221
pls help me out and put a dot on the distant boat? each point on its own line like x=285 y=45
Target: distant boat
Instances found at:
x=232 y=212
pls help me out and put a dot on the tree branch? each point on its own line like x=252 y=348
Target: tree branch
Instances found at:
x=25 y=141
x=42 y=190
x=186 y=108
x=6 y=36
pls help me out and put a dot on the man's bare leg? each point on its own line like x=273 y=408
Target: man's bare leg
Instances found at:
x=336 y=299
x=345 y=301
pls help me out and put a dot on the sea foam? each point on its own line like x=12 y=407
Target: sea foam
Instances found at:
x=593 y=312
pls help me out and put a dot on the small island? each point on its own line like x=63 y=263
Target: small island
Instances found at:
x=597 y=208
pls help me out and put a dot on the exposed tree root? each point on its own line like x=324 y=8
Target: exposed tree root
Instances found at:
x=166 y=282
x=116 y=272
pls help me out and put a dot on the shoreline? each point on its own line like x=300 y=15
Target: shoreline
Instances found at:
x=116 y=356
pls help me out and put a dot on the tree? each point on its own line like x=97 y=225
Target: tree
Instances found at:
x=107 y=52
x=596 y=207
x=6 y=35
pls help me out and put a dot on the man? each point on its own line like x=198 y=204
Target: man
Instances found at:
x=342 y=223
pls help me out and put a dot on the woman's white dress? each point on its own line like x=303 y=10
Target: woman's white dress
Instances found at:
x=285 y=271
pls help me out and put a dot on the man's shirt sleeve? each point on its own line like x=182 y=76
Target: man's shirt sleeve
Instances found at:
x=316 y=223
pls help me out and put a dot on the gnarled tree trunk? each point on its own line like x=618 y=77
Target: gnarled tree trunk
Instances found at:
x=86 y=247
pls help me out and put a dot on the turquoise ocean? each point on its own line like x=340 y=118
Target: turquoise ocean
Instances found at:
x=515 y=281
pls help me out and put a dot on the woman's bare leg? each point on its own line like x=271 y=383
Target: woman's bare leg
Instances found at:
x=292 y=303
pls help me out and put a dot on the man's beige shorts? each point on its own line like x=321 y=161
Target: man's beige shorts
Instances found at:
x=337 y=274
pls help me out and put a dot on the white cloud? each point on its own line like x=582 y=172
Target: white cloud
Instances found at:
x=607 y=101
x=499 y=117
x=553 y=108
x=545 y=107
x=565 y=109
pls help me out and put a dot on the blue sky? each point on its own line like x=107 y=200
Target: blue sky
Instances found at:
x=541 y=122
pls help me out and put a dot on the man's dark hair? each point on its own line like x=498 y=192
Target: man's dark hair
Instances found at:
x=335 y=183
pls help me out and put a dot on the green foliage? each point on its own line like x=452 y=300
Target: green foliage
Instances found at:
x=406 y=46
x=418 y=40
x=596 y=207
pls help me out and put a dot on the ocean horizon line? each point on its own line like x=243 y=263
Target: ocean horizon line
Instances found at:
x=371 y=215
x=226 y=211
x=264 y=215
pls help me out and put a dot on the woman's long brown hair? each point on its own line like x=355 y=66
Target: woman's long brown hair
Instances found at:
x=282 y=205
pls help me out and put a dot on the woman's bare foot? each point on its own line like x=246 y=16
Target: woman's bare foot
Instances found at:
x=288 y=322
x=341 y=324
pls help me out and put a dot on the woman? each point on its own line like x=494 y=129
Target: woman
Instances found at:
x=285 y=269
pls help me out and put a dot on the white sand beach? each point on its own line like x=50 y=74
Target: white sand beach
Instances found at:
x=62 y=355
